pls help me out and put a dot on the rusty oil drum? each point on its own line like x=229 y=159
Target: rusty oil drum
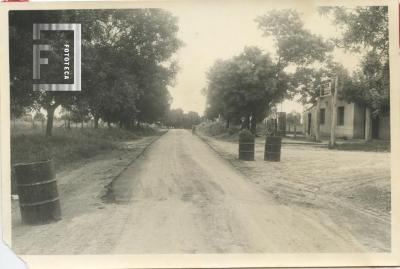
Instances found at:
x=272 y=151
x=38 y=195
x=246 y=151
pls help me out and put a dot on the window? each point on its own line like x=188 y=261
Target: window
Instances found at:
x=340 y=115
x=322 y=116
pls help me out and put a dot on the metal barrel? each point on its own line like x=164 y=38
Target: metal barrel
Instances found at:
x=246 y=151
x=38 y=195
x=272 y=151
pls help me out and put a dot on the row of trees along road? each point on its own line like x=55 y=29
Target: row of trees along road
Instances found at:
x=127 y=65
x=176 y=118
x=248 y=84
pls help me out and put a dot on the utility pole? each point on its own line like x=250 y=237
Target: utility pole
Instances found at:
x=317 y=119
x=368 y=123
x=334 y=113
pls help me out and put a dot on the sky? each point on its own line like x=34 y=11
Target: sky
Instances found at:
x=214 y=31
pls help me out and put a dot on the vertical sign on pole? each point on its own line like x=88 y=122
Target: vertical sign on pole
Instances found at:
x=334 y=112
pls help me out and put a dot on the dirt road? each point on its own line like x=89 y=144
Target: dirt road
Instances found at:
x=181 y=197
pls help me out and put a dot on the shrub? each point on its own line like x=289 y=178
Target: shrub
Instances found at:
x=212 y=128
x=246 y=136
x=233 y=130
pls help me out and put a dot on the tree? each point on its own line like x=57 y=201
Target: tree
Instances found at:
x=193 y=118
x=21 y=44
x=298 y=47
x=365 y=31
x=294 y=44
x=308 y=80
x=178 y=119
x=39 y=116
x=127 y=60
x=245 y=86
x=143 y=60
x=174 y=118
x=65 y=115
x=293 y=119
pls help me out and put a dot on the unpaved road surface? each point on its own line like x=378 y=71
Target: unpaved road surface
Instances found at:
x=352 y=187
x=182 y=197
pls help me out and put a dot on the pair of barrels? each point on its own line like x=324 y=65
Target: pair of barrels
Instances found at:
x=37 y=190
x=272 y=150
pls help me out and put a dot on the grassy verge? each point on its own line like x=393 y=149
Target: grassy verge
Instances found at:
x=217 y=130
x=67 y=146
x=370 y=146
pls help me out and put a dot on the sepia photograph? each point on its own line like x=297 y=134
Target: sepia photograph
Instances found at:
x=218 y=128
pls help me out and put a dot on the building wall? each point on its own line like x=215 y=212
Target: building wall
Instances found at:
x=345 y=130
x=384 y=127
x=359 y=122
x=354 y=121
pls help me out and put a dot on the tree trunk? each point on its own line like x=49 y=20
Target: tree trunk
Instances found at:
x=317 y=120
x=253 y=124
x=33 y=123
x=81 y=124
x=368 y=124
x=108 y=125
x=246 y=123
x=50 y=119
x=227 y=124
x=96 y=121
x=243 y=125
x=295 y=133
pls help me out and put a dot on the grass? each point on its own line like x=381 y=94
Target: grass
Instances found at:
x=370 y=146
x=67 y=146
x=218 y=131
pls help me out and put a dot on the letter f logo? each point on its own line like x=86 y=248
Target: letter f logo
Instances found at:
x=37 y=61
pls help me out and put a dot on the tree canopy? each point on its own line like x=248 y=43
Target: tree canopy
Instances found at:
x=365 y=31
x=298 y=47
x=244 y=86
x=178 y=119
x=127 y=64
x=294 y=44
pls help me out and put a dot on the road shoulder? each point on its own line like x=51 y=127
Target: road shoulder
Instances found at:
x=82 y=188
x=345 y=188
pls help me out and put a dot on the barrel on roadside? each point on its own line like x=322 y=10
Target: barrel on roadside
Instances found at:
x=37 y=190
x=246 y=146
x=272 y=151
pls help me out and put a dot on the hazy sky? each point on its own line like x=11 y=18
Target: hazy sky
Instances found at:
x=218 y=31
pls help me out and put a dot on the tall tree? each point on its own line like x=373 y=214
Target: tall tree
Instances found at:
x=245 y=86
x=294 y=44
x=127 y=57
x=365 y=31
x=308 y=80
x=21 y=42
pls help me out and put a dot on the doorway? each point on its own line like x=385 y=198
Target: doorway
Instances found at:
x=375 y=128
